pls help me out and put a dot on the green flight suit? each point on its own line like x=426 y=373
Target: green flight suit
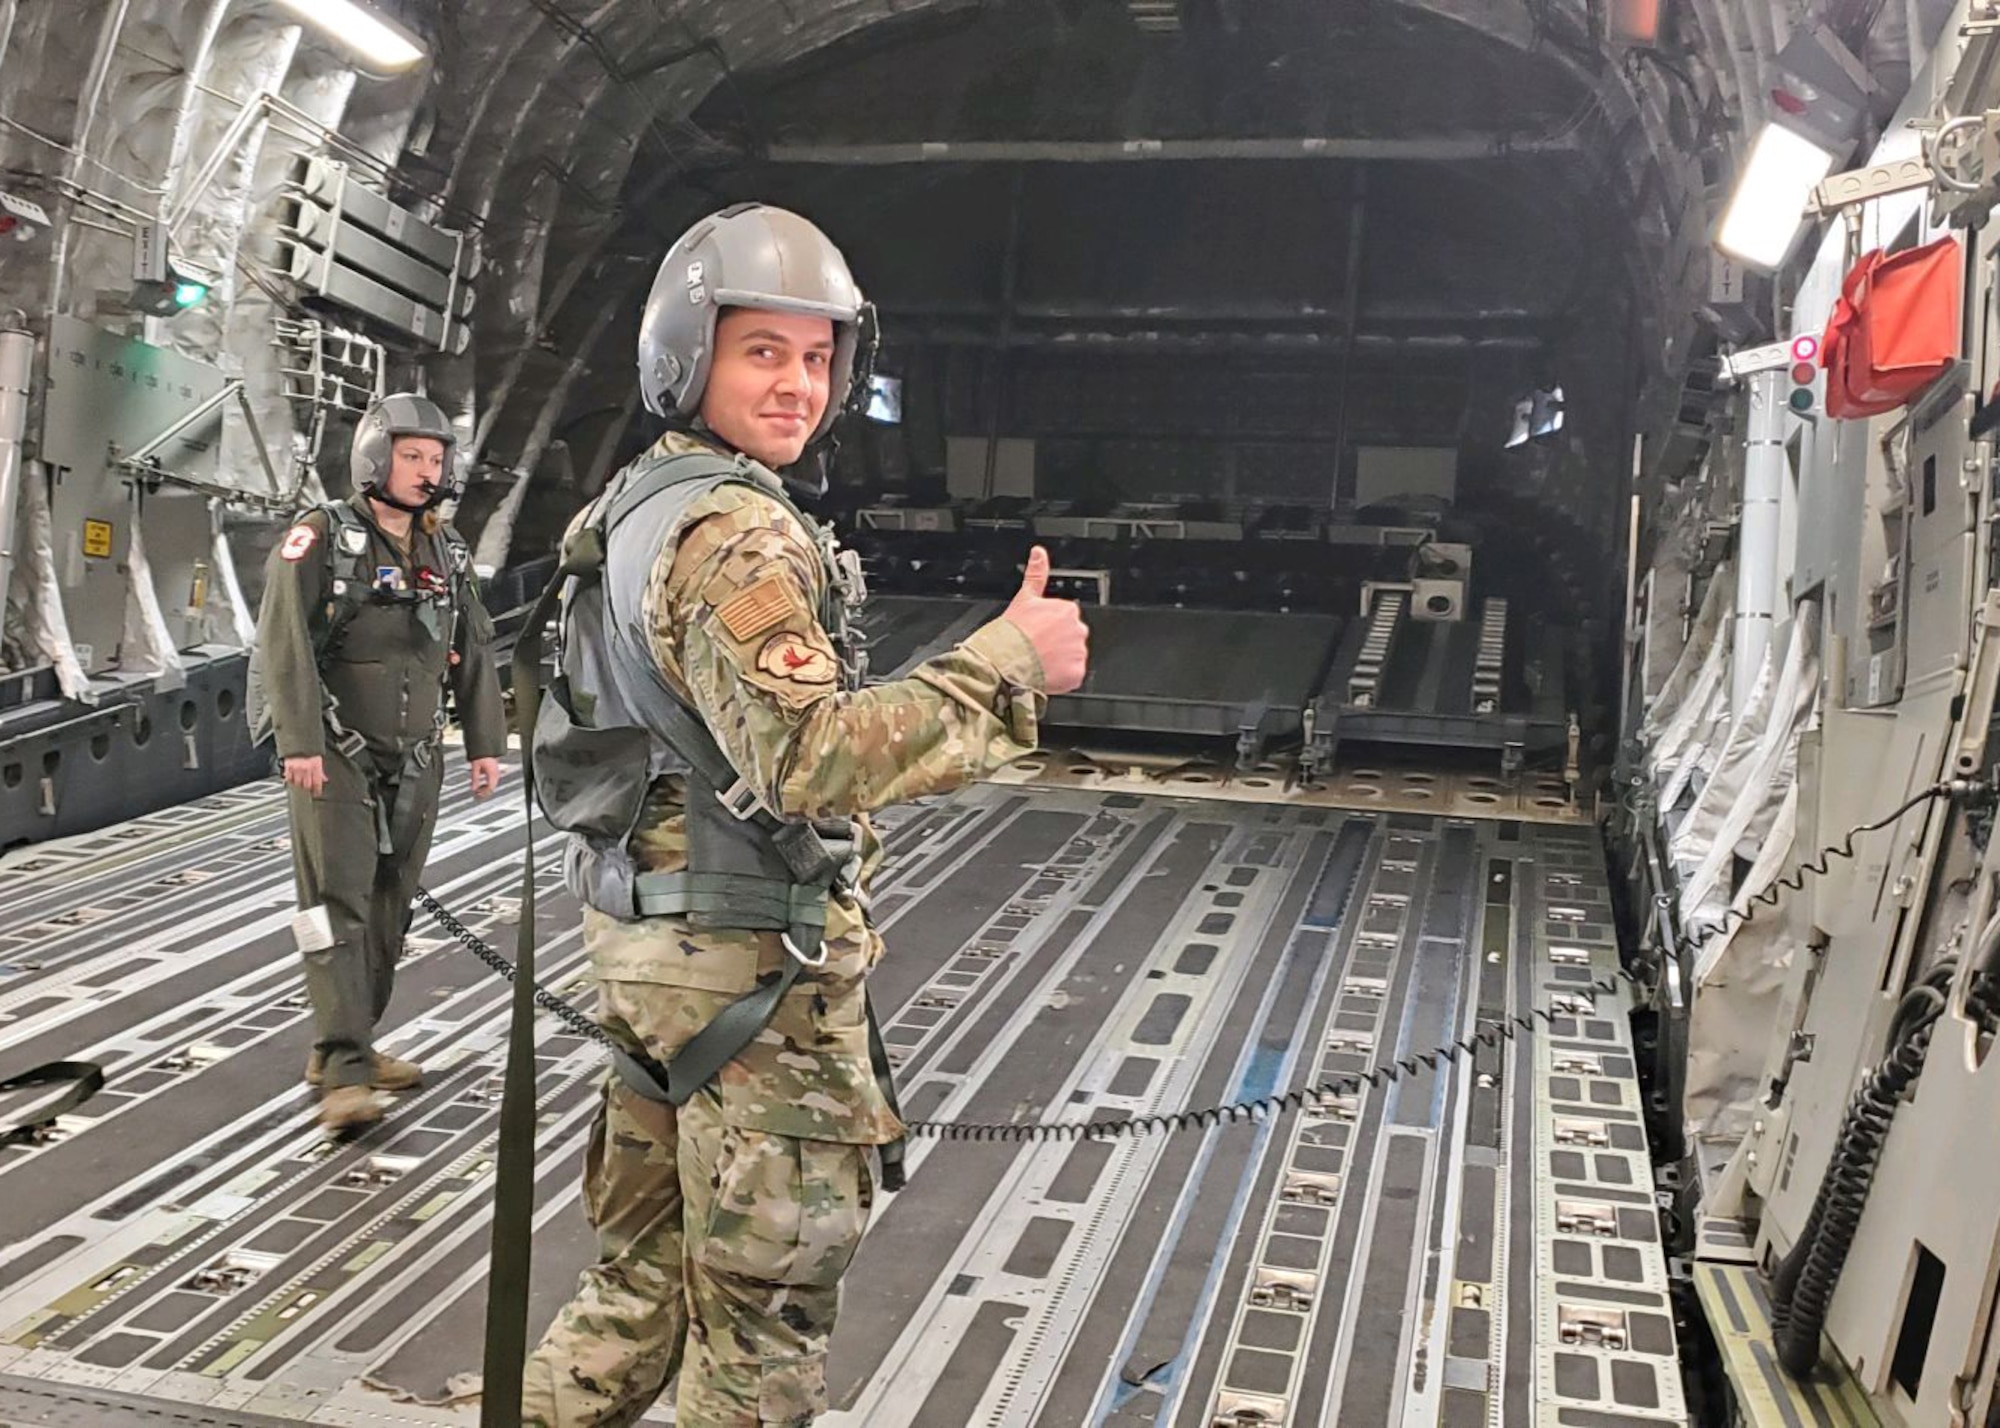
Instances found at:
x=371 y=705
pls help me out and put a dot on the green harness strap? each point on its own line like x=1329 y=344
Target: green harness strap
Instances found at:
x=514 y=1168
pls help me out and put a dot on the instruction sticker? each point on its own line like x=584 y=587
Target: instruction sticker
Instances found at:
x=97 y=538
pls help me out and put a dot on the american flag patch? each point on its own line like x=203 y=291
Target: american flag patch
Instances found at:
x=751 y=612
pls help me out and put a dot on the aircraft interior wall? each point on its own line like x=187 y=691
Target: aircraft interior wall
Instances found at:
x=1532 y=775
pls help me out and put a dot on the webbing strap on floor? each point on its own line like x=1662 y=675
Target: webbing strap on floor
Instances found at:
x=85 y=1078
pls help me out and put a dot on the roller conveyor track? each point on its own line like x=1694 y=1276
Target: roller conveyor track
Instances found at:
x=1418 y=1254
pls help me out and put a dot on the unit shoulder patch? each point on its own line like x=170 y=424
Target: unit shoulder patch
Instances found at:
x=757 y=609
x=298 y=541
x=793 y=656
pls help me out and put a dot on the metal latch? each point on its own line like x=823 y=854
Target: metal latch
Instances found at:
x=1578 y=1130
x=1586 y=1217
x=1337 y=1108
x=1237 y=1409
x=1284 y=1289
x=379 y=1170
x=231 y=1273
x=1306 y=1187
x=1591 y=1327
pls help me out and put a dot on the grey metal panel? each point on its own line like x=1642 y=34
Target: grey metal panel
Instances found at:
x=353 y=245
x=352 y=289
x=104 y=389
x=329 y=181
x=1201 y=672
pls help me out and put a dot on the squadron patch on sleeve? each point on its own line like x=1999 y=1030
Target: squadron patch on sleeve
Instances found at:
x=757 y=609
x=792 y=656
x=298 y=540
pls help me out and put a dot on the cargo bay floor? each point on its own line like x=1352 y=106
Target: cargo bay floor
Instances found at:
x=1473 y=1247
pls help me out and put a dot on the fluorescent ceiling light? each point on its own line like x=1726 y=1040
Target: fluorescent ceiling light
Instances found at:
x=1771 y=194
x=378 y=43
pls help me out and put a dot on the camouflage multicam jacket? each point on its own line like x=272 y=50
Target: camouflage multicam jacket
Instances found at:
x=733 y=620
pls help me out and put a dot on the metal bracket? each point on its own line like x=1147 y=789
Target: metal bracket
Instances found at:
x=1982 y=685
x=1857 y=186
x=143 y=462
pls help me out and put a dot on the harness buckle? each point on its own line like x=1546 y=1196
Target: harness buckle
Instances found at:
x=741 y=800
x=348 y=742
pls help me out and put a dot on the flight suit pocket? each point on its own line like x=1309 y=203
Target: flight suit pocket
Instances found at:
x=787 y=1211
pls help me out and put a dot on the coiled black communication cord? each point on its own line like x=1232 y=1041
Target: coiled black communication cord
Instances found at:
x=1796 y=882
x=1802 y=1286
x=1492 y=1033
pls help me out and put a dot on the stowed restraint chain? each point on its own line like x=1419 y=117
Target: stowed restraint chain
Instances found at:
x=1491 y=1033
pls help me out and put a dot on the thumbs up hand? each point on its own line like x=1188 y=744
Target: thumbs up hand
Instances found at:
x=1054 y=627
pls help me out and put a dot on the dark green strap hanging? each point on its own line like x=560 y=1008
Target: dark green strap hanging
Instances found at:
x=514 y=1169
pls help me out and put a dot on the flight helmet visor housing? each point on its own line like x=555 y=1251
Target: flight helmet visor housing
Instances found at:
x=753 y=256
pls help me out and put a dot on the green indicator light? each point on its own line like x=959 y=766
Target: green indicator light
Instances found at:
x=188 y=293
x=1802 y=400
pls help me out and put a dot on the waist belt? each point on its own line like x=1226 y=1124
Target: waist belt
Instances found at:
x=802 y=909
x=731 y=900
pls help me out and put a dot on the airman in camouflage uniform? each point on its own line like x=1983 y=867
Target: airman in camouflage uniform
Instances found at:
x=725 y=1225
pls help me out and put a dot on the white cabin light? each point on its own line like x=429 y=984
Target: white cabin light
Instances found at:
x=379 y=44
x=1771 y=194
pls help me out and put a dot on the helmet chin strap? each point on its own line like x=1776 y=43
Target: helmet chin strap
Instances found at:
x=374 y=490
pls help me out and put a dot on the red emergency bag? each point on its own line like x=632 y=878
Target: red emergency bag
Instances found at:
x=1894 y=330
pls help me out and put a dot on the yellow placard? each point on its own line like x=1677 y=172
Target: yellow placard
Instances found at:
x=97 y=538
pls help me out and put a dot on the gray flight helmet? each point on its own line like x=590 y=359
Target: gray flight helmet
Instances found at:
x=399 y=414
x=749 y=255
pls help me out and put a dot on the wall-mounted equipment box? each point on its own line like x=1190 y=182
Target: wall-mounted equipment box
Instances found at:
x=358 y=250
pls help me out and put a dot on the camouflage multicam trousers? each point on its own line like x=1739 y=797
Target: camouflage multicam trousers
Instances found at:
x=720 y=1251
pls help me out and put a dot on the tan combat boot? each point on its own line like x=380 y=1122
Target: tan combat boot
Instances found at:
x=386 y=1073
x=348 y=1108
